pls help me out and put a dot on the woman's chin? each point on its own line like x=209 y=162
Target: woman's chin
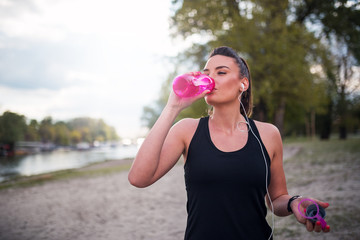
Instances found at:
x=209 y=98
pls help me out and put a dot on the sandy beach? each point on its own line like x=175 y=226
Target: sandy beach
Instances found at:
x=108 y=207
x=104 y=207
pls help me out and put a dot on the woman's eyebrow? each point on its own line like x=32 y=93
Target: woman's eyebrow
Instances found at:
x=219 y=67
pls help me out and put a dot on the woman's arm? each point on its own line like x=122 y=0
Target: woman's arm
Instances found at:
x=277 y=189
x=163 y=146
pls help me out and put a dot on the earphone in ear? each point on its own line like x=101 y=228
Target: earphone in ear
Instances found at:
x=243 y=87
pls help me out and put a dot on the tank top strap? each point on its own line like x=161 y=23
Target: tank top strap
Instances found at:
x=203 y=126
x=201 y=130
x=203 y=121
x=256 y=132
x=254 y=128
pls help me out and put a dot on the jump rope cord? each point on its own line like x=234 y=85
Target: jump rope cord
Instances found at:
x=266 y=168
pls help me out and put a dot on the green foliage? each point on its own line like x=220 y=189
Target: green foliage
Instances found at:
x=46 y=130
x=197 y=110
x=90 y=130
x=32 y=131
x=75 y=136
x=13 y=128
x=294 y=75
x=337 y=17
x=339 y=26
x=279 y=52
x=62 y=134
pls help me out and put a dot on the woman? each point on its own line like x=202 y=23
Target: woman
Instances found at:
x=231 y=162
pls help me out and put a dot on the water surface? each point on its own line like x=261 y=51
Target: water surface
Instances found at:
x=59 y=160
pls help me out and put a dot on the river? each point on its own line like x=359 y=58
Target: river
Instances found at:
x=60 y=160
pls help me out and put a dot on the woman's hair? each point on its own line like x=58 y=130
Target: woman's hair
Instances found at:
x=246 y=97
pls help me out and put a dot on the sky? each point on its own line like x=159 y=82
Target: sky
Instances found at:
x=84 y=58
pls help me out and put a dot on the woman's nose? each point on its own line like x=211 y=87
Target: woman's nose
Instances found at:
x=212 y=76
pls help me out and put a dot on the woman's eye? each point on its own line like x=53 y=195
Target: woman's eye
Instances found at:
x=221 y=73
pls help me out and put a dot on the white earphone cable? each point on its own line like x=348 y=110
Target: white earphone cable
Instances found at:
x=266 y=168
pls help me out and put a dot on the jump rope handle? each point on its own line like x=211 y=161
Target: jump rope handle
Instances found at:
x=314 y=214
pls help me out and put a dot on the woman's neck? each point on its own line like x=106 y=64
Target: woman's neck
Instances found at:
x=226 y=119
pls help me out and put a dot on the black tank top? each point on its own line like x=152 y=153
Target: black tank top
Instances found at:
x=225 y=190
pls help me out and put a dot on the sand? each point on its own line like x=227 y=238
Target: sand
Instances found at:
x=104 y=207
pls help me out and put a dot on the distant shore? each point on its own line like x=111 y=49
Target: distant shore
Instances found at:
x=60 y=159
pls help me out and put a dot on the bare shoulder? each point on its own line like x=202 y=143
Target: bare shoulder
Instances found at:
x=270 y=136
x=185 y=129
x=186 y=126
x=188 y=122
x=267 y=129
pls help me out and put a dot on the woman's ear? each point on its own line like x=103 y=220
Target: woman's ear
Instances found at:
x=244 y=84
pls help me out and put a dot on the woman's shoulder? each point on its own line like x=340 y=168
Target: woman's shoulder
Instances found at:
x=185 y=129
x=187 y=123
x=271 y=137
x=267 y=130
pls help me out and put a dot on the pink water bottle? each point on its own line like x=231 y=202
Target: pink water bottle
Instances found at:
x=187 y=85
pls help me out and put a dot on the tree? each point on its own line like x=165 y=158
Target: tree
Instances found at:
x=32 y=131
x=345 y=75
x=62 y=134
x=46 y=130
x=340 y=18
x=12 y=127
x=90 y=130
x=278 y=51
x=355 y=114
x=339 y=22
x=75 y=136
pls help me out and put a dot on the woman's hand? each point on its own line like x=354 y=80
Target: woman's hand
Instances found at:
x=310 y=226
x=163 y=146
x=179 y=103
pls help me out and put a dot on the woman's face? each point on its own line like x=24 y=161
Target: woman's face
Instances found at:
x=226 y=75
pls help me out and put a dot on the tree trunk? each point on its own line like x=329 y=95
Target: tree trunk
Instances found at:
x=342 y=113
x=260 y=111
x=325 y=122
x=313 y=128
x=280 y=116
x=307 y=126
x=342 y=132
